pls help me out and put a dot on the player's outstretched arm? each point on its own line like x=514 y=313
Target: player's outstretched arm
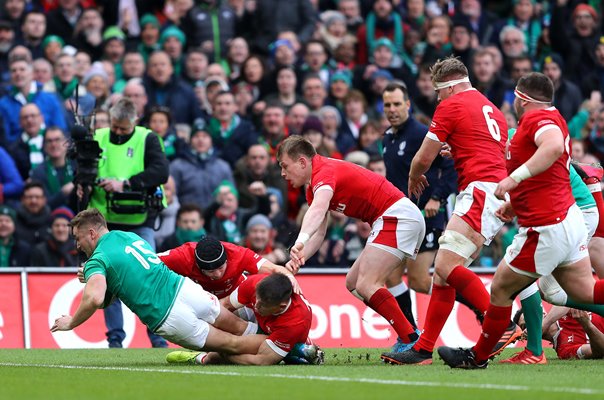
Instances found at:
x=265 y=356
x=269 y=268
x=92 y=300
x=313 y=223
x=554 y=314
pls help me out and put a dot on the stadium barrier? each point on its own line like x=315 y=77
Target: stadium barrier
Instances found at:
x=31 y=298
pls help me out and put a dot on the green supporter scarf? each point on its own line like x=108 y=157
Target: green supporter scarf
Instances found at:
x=65 y=90
x=5 y=250
x=398 y=32
x=185 y=235
x=216 y=131
x=169 y=147
x=56 y=178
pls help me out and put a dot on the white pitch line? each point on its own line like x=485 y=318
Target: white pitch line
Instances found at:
x=202 y=371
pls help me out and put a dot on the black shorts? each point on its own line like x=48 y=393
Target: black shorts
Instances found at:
x=430 y=242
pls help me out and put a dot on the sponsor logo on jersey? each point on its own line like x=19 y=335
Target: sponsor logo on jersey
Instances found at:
x=545 y=122
x=318 y=185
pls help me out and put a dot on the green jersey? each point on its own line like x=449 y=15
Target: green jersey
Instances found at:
x=581 y=192
x=136 y=275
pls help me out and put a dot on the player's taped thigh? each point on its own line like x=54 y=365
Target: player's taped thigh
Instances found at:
x=457 y=243
x=552 y=291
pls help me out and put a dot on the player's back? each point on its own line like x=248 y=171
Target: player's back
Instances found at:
x=543 y=199
x=136 y=275
x=357 y=192
x=476 y=130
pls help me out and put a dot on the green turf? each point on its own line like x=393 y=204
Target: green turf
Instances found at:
x=347 y=374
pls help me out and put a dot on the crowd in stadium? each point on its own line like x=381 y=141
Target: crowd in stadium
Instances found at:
x=243 y=75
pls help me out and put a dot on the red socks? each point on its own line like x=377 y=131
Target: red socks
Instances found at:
x=385 y=304
x=439 y=308
x=496 y=320
x=469 y=285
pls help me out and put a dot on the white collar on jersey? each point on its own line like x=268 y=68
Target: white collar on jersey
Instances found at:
x=289 y=303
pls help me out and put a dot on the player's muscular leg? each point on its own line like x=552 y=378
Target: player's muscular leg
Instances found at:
x=452 y=255
x=577 y=280
x=353 y=275
x=596 y=255
x=374 y=266
x=507 y=283
x=224 y=342
x=396 y=276
x=229 y=322
x=418 y=271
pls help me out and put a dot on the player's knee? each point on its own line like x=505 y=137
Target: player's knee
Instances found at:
x=356 y=294
x=552 y=291
x=457 y=243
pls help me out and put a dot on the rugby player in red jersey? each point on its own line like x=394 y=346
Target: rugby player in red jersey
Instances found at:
x=552 y=231
x=397 y=224
x=476 y=132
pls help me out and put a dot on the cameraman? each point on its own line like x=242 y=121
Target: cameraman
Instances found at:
x=133 y=161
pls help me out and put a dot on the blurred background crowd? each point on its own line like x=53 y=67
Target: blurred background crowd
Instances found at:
x=222 y=82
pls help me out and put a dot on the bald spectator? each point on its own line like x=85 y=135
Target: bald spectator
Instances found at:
x=27 y=150
x=255 y=175
x=166 y=89
x=23 y=90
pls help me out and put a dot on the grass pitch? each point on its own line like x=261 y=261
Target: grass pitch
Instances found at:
x=347 y=374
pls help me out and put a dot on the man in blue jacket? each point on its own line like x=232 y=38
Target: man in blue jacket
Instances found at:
x=25 y=90
x=401 y=141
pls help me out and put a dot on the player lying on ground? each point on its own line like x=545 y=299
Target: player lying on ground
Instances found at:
x=284 y=315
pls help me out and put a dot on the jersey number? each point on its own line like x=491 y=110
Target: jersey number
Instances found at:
x=567 y=148
x=136 y=252
x=491 y=123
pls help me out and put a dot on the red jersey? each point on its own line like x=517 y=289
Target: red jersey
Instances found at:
x=543 y=199
x=572 y=335
x=357 y=192
x=283 y=330
x=239 y=260
x=477 y=133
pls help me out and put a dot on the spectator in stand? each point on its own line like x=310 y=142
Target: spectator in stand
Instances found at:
x=150 y=28
x=260 y=238
x=225 y=220
x=173 y=41
x=274 y=16
x=189 y=227
x=232 y=136
x=98 y=84
x=210 y=25
x=66 y=84
x=273 y=128
x=160 y=122
x=62 y=20
x=314 y=92
x=567 y=95
x=27 y=150
x=83 y=62
x=7 y=38
x=339 y=86
x=196 y=67
x=312 y=130
x=133 y=66
x=283 y=54
x=316 y=62
x=426 y=99
x=254 y=77
x=355 y=117
x=114 y=48
x=56 y=172
x=486 y=78
x=33 y=30
x=576 y=44
x=12 y=12
x=255 y=174
x=13 y=251
x=52 y=46
x=43 y=73
x=135 y=91
x=238 y=52
x=463 y=39
x=525 y=18
x=382 y=21
x=512 y=42
x=376 y=164
x=296 y=116
x=482 y=21
x=438 y=43
x=33 y=214
x=59 y=249
x=332 y=120
x=285 y=95
x=199 y=172
x=333 y=29
x=11 y=183
x=351 y=9
x=594 y=81
x=25 y=90
x=88 y=33
x=166 y=89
